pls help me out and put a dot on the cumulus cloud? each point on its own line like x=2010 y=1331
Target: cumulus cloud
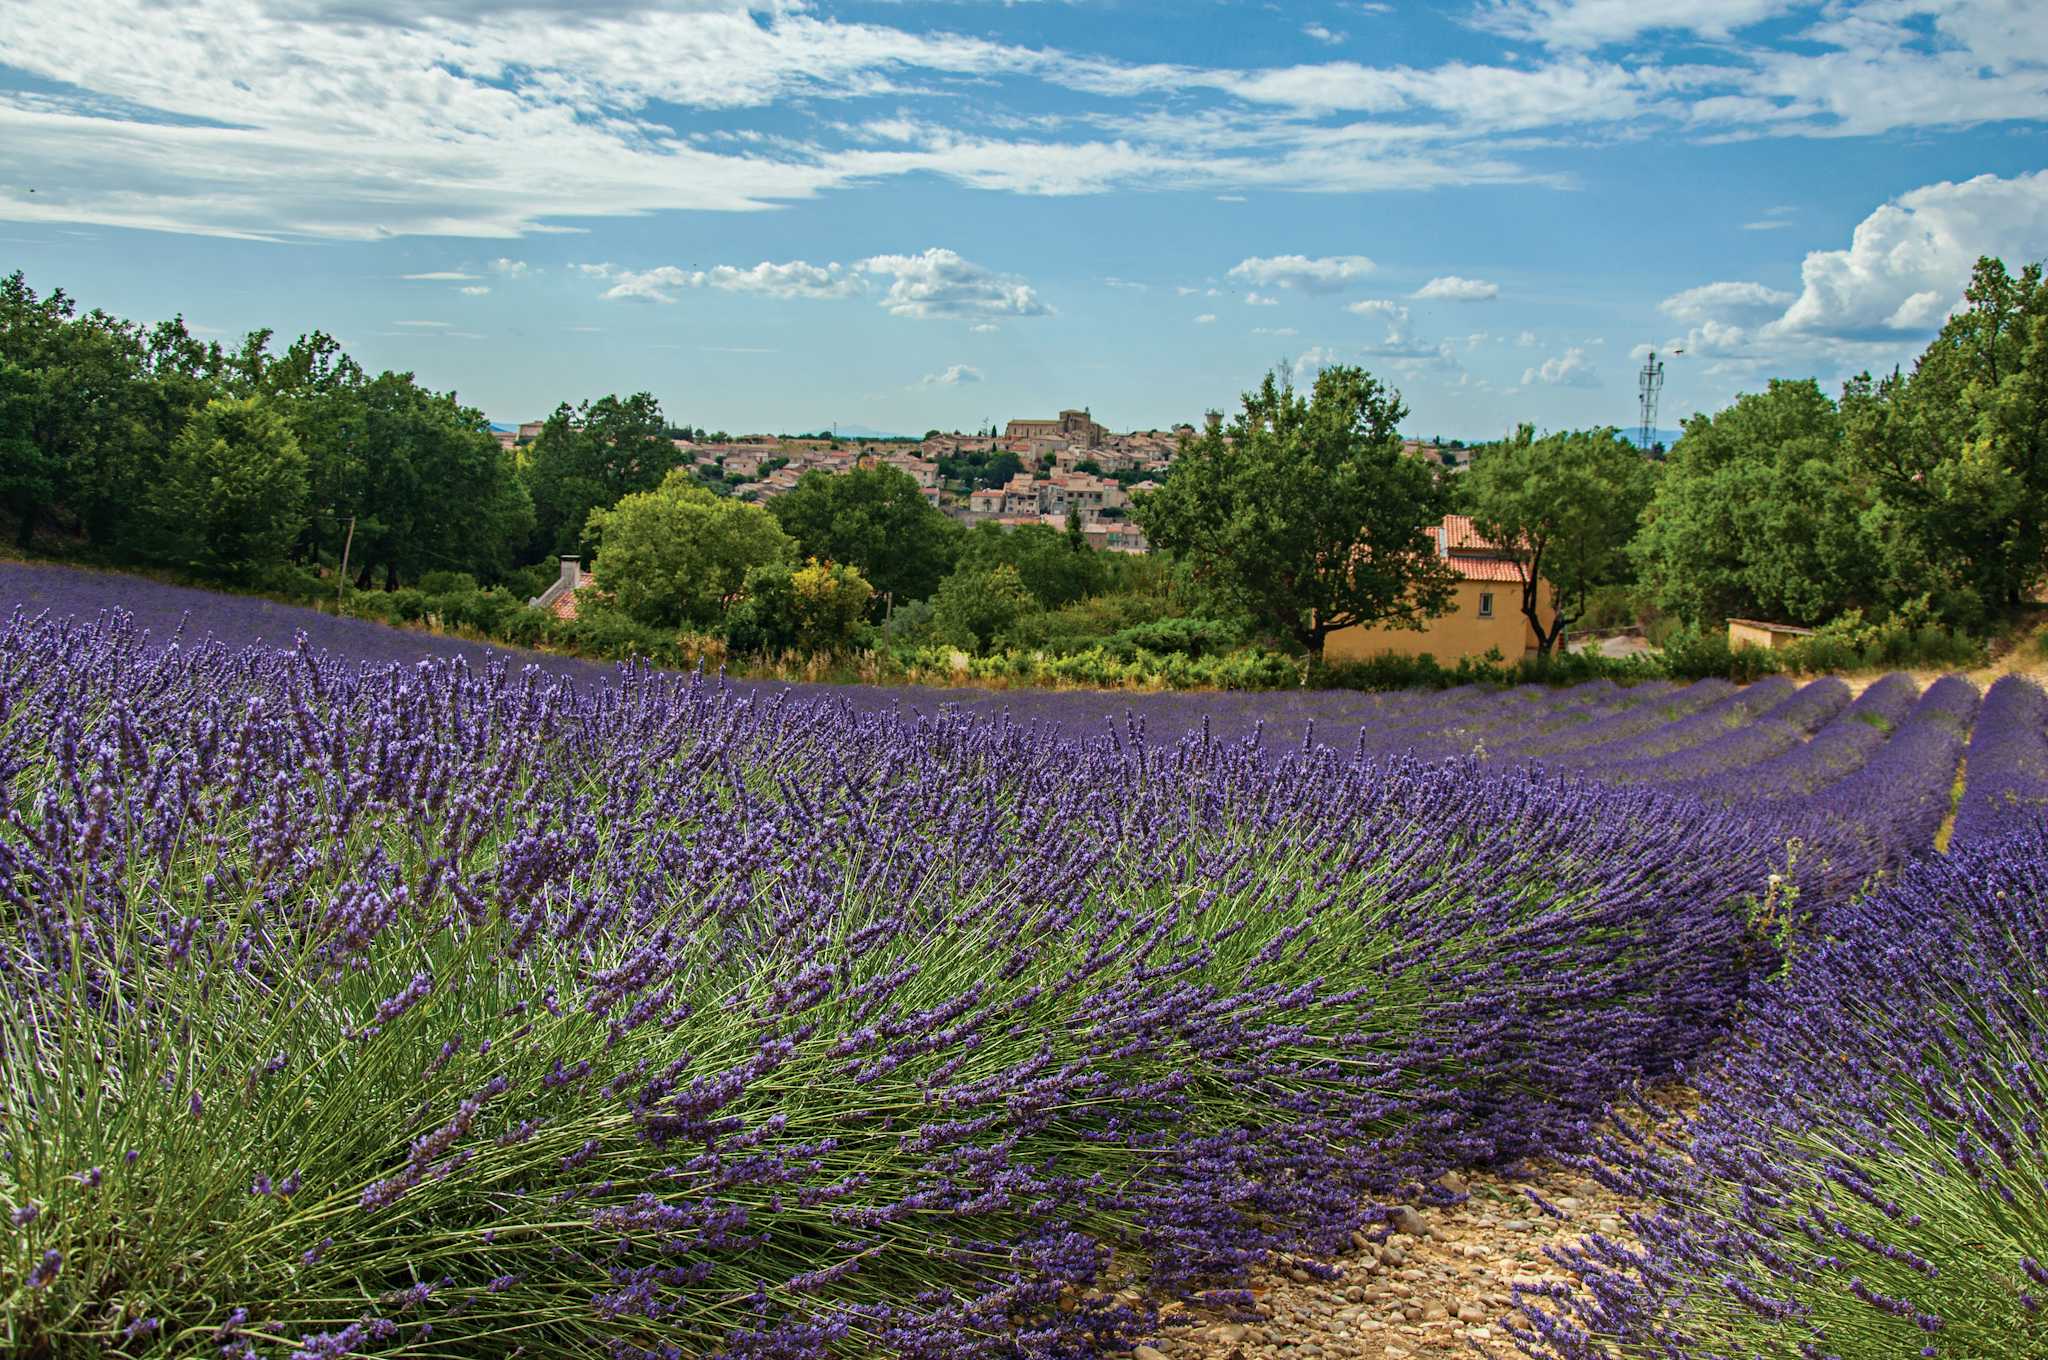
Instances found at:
x=791 y=279
x=510 y=268
x=951 y=376
x=1452 y=288
x=1738 y=302
x=1568 y=369
x=1323 y=274
x=938 y=284
x=476 y=290
x=1274 y=330
x=438 y=276
x=1329 y=37
x=1907 y=263
x=1206 y=319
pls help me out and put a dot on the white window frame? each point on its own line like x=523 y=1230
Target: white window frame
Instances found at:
x=1485 y=604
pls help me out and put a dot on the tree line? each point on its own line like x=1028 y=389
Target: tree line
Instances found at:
x=1920 y=497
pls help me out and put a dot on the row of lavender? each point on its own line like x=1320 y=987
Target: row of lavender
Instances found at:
x=1867 y=1177
x=428 y=1009
x=1768 y=747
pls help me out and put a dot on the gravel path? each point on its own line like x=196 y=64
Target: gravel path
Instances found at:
x=1437 y=1288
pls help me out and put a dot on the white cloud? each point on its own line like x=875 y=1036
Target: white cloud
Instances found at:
x=1274 y=330
x=1258 y=299
x=510 y=268
x=984 y=328
x=439 y=276
x=1326 y=36
x=655 y=285
x=1526 y=340
x=369 y=119
x=1324 y=274
x=791 y=279
x=951 y=376
x=1907 y=262
x=1739 y=302
x=424 y=325
x=1206 y=319
x=1597 y=23
x=1377 y=307
x=476 y=290
x=1568 y=369
x=1452 y=288
x=939 y=283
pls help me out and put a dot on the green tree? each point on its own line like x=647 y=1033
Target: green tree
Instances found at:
x=1958 y=449
x=877 y=521
x=1305 y=513
x=1051 y=566
x=999 y=469
x=590 y=456
x=233 y=499
x=1760 y=512
x=976 y=606
x=75 y=390
x=680 y=555
x=1565 y=508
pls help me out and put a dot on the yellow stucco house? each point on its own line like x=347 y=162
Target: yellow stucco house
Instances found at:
x=1486 y=617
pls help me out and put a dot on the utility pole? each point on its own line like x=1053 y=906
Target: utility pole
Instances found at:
x=341 y=577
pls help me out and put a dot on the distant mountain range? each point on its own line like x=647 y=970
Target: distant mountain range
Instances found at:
x=866 y=432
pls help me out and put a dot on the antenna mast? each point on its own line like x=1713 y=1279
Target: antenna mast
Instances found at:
x=1650 y=386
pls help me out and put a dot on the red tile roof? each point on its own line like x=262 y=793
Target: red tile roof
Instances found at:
x=1473 y=557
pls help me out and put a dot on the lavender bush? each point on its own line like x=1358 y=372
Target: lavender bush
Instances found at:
x=2006 y=767
x=354 y=1009
x=1867 y=1177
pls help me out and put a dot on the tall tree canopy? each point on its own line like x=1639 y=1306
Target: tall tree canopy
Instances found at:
x=875 y=520
x=1761 y=513
x=1958 y=449
x=233 y=498
x=589 y=456
x=1305 y=512
x=1566 y=507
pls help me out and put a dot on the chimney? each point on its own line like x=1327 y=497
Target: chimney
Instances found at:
x=572 y=571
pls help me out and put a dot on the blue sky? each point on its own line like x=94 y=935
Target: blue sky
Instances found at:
x=913 y=213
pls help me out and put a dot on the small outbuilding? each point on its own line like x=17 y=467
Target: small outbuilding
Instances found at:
x=1768 y=636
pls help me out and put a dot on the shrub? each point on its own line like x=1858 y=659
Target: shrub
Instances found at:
x=447 y=582
x=1694 y=654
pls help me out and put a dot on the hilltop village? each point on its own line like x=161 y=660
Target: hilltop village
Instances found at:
x=1035 y=471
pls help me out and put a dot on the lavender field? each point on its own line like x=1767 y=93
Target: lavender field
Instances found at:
x=364 y=993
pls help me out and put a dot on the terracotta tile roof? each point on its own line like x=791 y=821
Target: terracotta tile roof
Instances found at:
x=1463 y=535
x=1471 y=554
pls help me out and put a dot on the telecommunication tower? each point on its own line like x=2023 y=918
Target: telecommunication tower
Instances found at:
x=1650 y=385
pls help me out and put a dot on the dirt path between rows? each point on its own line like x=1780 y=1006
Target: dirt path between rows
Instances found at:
x=1437 y=1288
